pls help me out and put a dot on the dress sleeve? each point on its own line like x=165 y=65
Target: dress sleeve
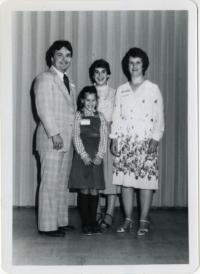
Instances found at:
x=158 y=128
x=116 y=116
x=103 y=137
x=77 y=139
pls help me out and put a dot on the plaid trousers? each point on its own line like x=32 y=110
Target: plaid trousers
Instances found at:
x=53 y=192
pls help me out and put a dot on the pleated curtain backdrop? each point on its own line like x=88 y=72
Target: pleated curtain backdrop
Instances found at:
x=108 y=35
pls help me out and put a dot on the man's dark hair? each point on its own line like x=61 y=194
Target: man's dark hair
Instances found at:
x=56 y=46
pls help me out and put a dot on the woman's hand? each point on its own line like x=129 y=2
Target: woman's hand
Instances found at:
x=97 y=160
x=153 y=145
x=87 y=161
x=57 y=142
x=114 y=147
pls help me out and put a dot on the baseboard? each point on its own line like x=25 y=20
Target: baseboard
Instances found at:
x=152 y=208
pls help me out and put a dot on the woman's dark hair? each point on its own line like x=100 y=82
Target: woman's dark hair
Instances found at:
x=82 y=96
x=100 y=63
x=56 y=46
x=134 y=52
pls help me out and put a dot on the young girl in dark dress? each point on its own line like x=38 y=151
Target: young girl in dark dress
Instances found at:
x=90 y=141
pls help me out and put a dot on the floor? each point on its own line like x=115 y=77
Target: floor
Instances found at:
x=166 y=243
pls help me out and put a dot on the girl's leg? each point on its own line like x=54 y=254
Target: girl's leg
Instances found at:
x=111 y=198
x=94 y=198
x=127 y=199
x=84 y=200
x=99 y=213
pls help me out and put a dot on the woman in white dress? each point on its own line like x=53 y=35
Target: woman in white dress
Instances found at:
x=137 y=128
x=99 y=73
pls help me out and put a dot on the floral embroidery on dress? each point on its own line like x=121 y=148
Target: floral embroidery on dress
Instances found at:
x=134 y=158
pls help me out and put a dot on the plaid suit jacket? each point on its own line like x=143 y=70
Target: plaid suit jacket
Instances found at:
x=56 y=109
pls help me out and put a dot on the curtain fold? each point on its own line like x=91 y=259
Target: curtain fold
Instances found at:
x=103 y=34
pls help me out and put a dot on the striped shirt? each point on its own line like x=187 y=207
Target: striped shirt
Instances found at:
x=103 y=135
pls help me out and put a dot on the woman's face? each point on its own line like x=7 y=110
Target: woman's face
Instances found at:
x=90 y=102
x=135 y=66
x=100 y=76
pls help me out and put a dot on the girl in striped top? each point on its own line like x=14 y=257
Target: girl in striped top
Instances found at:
x=90 y=141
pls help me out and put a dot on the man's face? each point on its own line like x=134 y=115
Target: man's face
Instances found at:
x=62 y=59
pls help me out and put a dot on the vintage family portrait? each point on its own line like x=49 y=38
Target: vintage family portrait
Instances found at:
x=104 y=132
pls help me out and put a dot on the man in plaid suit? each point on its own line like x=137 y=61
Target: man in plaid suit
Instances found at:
x=55 y=99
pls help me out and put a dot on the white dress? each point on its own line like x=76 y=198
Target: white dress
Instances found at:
x=137 y=118
x=106 y=99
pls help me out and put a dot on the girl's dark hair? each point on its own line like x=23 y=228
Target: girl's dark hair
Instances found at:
x=56 y=46
x=100 y=63
x=134 y=52
x=82 y=95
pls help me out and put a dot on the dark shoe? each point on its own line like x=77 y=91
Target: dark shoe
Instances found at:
x=87 y=230
x=54 y=233
x=96 y=229
x=66 y=228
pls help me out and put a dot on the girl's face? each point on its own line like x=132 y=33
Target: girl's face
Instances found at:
x=135 y=66
x=90 y=102
x=100 y=76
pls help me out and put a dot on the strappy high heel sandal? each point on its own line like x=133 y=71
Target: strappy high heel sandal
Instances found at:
x=127 y=226
x=104 y=224
x=143 y=228
x=99 y=217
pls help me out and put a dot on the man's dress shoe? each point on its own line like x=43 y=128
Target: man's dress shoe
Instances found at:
x=54 y=233
x=66 y=228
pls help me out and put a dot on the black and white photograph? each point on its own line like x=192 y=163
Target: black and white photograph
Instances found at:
x=99 y=137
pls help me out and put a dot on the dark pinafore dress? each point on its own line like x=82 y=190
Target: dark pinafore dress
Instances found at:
x=91 y=176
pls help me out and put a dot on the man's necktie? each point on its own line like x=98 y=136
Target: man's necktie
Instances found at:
x=66 y=82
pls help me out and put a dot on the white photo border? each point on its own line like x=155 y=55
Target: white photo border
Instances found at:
x=6 y=9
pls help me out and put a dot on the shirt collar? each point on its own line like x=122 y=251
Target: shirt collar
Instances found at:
x=60 y=74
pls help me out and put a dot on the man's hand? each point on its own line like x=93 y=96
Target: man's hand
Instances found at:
x=114 y=147
x=87 y=161
x=97 y=160
x=57 y=142
x=153 y=145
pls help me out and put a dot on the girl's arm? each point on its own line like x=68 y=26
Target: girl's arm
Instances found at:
x=77 y=139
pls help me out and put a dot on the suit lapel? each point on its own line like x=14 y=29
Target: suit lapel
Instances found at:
x=61 y=85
